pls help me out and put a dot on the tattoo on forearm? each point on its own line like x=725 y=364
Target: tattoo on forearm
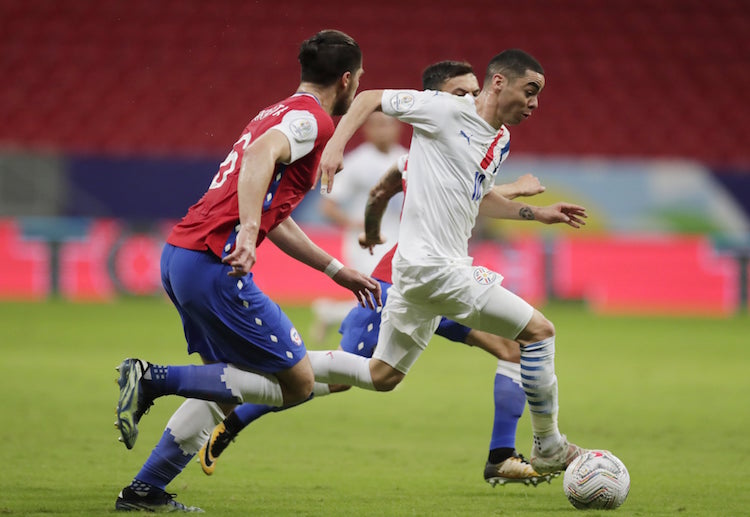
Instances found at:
x=526 y=213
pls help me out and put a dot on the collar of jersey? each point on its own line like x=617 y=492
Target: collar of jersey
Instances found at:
x=309 y=95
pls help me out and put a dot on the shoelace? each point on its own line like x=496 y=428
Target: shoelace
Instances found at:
x=169 y=500
x=521 y=457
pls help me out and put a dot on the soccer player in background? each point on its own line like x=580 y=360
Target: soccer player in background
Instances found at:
x=343 y=209
x=361 y=326
x=206 y=271
x=457 y=148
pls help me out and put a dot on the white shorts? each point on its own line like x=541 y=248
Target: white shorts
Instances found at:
x=472 y=295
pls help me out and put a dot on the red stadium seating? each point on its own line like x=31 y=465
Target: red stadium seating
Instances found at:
x=625 y=77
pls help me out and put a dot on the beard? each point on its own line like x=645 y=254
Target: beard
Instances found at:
x=341 y=106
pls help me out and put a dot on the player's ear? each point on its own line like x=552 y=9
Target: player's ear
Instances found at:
x=499 y=81
x=345 y=80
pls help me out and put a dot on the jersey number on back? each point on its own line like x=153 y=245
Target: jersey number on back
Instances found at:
x=229 y=165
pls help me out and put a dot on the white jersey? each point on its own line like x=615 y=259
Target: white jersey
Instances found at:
x=453 y=162
x=363 y=166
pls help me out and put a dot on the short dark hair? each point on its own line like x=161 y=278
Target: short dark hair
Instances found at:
x=326 y=56
x=512 y=63
x=436 y=75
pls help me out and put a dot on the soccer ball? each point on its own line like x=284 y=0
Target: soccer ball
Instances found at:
x=596 y=480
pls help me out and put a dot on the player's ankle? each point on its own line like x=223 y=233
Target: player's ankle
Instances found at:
x=233 y=424
x=548 y=443
x=500 y=454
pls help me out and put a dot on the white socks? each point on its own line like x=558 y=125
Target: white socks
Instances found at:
x=510 y=370
x=540 y=385
x=253 y=387
x=321 y=389
x=192 y=423
x=339 y=367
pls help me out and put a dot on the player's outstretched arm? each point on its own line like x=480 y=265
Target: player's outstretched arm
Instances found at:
x=387 y=186
x=290 y=239
x=499 y=207
x=568 y=213
x=332 y=159
x=256 y=169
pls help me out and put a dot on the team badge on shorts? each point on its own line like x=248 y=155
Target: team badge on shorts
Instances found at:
x=484 y=276
x=295 y=337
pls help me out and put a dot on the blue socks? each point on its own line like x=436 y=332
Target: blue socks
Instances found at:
x=510 y=401
x=201 y=382
x=166 y=461
x=249 y=413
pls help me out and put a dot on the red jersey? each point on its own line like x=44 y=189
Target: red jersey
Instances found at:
x=383 y=270
x=210 y=222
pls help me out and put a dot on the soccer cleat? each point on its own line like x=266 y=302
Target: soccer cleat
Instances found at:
x=515 y=469
x=133 y=402
x=213 y=448
x=558 y=460
x=155 y=500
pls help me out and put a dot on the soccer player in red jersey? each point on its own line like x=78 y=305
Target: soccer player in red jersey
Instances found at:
x=251 y=350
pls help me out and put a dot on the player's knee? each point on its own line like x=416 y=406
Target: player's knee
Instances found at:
x=546 y=329
x=299 y=391
x=537 y=329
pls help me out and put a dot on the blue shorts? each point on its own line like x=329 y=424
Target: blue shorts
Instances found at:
x=359 y=330
x=227 y=319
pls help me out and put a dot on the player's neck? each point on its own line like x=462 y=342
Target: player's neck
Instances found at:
x=487 y=109
x=324 y=95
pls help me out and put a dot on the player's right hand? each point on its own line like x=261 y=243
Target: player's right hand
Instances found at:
x=366 y=289
x=529 y=185
x=243 y=257
x=369 y=244
x=331 y=162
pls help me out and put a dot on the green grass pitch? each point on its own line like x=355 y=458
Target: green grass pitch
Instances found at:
x=669 y=396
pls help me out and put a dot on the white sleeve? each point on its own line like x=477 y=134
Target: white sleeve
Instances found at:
x=424 y=110
x=301 y=129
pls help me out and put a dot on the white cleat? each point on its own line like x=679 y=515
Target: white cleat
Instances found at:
x=556 y=461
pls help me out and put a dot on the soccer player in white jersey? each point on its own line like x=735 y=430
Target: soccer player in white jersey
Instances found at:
x=457 y=147
x=359 y=330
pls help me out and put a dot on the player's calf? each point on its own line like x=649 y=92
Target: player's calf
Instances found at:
x=384 y=376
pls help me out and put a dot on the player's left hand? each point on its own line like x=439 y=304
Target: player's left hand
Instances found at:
x=366 y=289
x=568 y=213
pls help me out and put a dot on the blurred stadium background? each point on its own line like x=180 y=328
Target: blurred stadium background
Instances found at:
x=116 y=114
